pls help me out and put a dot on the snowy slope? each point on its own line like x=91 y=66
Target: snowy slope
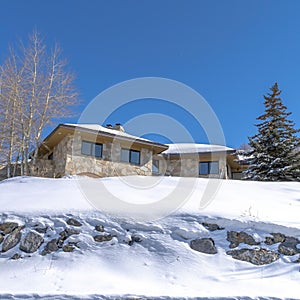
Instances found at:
x=162 y=264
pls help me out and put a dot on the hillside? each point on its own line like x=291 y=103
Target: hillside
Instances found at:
x=83 y=253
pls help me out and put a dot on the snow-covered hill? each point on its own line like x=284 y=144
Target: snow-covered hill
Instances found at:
x=151 y=258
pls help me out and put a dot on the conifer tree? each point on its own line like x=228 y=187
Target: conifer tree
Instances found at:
x=275 y=153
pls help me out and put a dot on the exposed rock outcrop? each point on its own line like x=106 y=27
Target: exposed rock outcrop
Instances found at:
x=276 y=238
x=12 y=239
x=235 y=238
x=258 y=257
x=8 y=227
x=31 y=242
x=50 y=247
x=68 y=248
x=211 y=226
x=99 y=228
x=289 y=246
x=204 y=245
x=74 y=222
x=1 y=237
x=103 y=238
x=16 y=256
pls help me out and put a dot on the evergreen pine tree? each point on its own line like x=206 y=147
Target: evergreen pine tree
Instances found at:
x=275 y=153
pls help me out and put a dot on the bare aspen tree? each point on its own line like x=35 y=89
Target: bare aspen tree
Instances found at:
x=36 y=89
x=10 y=112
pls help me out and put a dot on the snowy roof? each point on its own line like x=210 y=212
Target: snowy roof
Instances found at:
x=99 y=128
x=190 y=148
x=67 y=128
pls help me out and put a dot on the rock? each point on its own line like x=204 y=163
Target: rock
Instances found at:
x=1 y=237
x=65 y=234
x=276 y=238
x=50 y=247
x=31 y=242
x=12 y=239
x=103 y=238
x=235 y=238
x=136 y=238
x=99 y=228
x=16 y=256
x=212 y=227
x=205 y=245
x=41 y=229
x=8 y=227
x=74 y=244
x=257 y=257
x=68 y=248
x=289 y=246
x=297 y=260
x=71 y=231
x=74 y=222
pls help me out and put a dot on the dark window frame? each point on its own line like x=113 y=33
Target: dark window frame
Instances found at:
x=92 y=149
x=130 y=161
x=209 y=168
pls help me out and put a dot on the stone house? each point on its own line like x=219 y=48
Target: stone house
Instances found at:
x=198 y=160
x=97 y=151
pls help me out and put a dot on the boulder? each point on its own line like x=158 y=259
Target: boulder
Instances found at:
x=99 y=228
x=8 y=227
x=103 y=238
x=257 y=257
x=297 y=260
x=204 y=245
x=12 y=239
x=16 y=256
x=65 y=234
x=1 y=237
x=211 y=226
x=68 y=248
x=235 y=238
x=31 y=242
x=289 y=246
x=276 y=238
x=134 y=239
x=50 y=247
x=74 y=222
x=41 y=229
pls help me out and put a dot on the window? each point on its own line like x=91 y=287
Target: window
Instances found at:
x=155 y=166
x=130 y=156
x=208 y=167
x=91 y=149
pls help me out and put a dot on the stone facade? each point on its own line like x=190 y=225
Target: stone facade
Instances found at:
x=68 y=160
x=42 y=168
x=188 y=165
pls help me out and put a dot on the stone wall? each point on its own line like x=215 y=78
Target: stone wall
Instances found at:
x=42 y=168
x=185 y=167
x=188 y=165
x=60 y=154
x=69 y=160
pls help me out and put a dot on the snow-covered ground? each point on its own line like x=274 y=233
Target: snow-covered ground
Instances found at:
x=161 y=265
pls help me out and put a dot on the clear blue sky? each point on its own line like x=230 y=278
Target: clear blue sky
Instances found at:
x=230 y=52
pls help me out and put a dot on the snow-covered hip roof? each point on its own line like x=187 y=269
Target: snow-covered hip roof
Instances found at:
x=99 y=128
x=190 y=148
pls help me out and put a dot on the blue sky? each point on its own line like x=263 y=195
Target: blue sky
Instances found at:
x=230 y=52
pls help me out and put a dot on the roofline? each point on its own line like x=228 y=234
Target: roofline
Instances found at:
x=108 y=134
x=198 y=153
x=105 y=134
